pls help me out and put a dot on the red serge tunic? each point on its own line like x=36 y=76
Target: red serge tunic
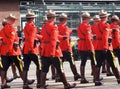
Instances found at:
x=49 y=41
x=30 y=32
x=115 y=36
x=65 y=31
x=9 y=36
x=104 y=32
x=84 y=34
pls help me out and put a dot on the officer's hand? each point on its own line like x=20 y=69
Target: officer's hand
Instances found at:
x=57 y=44
x=109 y=39
x=36 y=41
x=113 y=30
x=94 y=37
x=23 y=39
x=64 y=37
x=15 y=46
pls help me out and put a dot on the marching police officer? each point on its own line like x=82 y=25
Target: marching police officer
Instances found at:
x=115 y=36
x=4 y=22
x=65 y=44
x=95 y=30
x=85 y=46
x=104 y=48
x=10 y=50
x=53 y=70
x=30 y=49
x=51 y=51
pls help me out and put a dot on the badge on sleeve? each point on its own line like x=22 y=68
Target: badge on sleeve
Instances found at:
x=89 y=31
x=67 y=33
x=13 y=33
x=107 y=29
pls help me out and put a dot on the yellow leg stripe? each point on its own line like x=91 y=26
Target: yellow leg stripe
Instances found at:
x=72 y=58
x=20 y=63
x=39 y=62
x=114 y=61
x=61 y=65
x=94 y=58
x=1 y=66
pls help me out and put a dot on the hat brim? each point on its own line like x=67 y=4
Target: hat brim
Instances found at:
x=106 y=15
x=31 y=16
x=86 y=17
x=52 y=15
x=115 y=19
x=63 y=17
x=8 y=18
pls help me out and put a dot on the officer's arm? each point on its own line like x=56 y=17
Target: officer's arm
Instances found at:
x=88 y=37
x=105 y=38
x=39 y=36
x=88 y=41
x=117 y=38
x=53 y=39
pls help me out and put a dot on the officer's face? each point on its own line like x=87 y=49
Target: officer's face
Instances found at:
x=87 y=20
x=104 y=19
x=33 y=20
x=45 y=21
x=116 y=22
x=96 y=21
x=65 y=21
x=54 y=19
x=11 y=21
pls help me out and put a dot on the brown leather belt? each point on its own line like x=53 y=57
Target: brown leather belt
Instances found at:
x=46 y=42
x=98 y=38
x=26 y=40
x=113 y=37
x=3 y=43
x=81 y=39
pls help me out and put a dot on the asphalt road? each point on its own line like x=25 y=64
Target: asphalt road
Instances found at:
x=109 y=82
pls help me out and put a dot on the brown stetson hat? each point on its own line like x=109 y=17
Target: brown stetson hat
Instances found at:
x=30 y=15
x=51 y=13
x=85 y=15
x=96 y=18
x=11 y=16
x=115 y=17
x=63 y=15
x=103 y=14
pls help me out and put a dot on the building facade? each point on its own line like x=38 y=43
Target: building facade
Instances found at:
x=73 y=8
x=7 y=7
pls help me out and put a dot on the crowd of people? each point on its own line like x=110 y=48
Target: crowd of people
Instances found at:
x=51 y=47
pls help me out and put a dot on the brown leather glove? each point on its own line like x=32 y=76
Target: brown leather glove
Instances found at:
x=64 y=37
x=57 y=44
x=113 y=30
x=35 y=42
x=15 y=46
